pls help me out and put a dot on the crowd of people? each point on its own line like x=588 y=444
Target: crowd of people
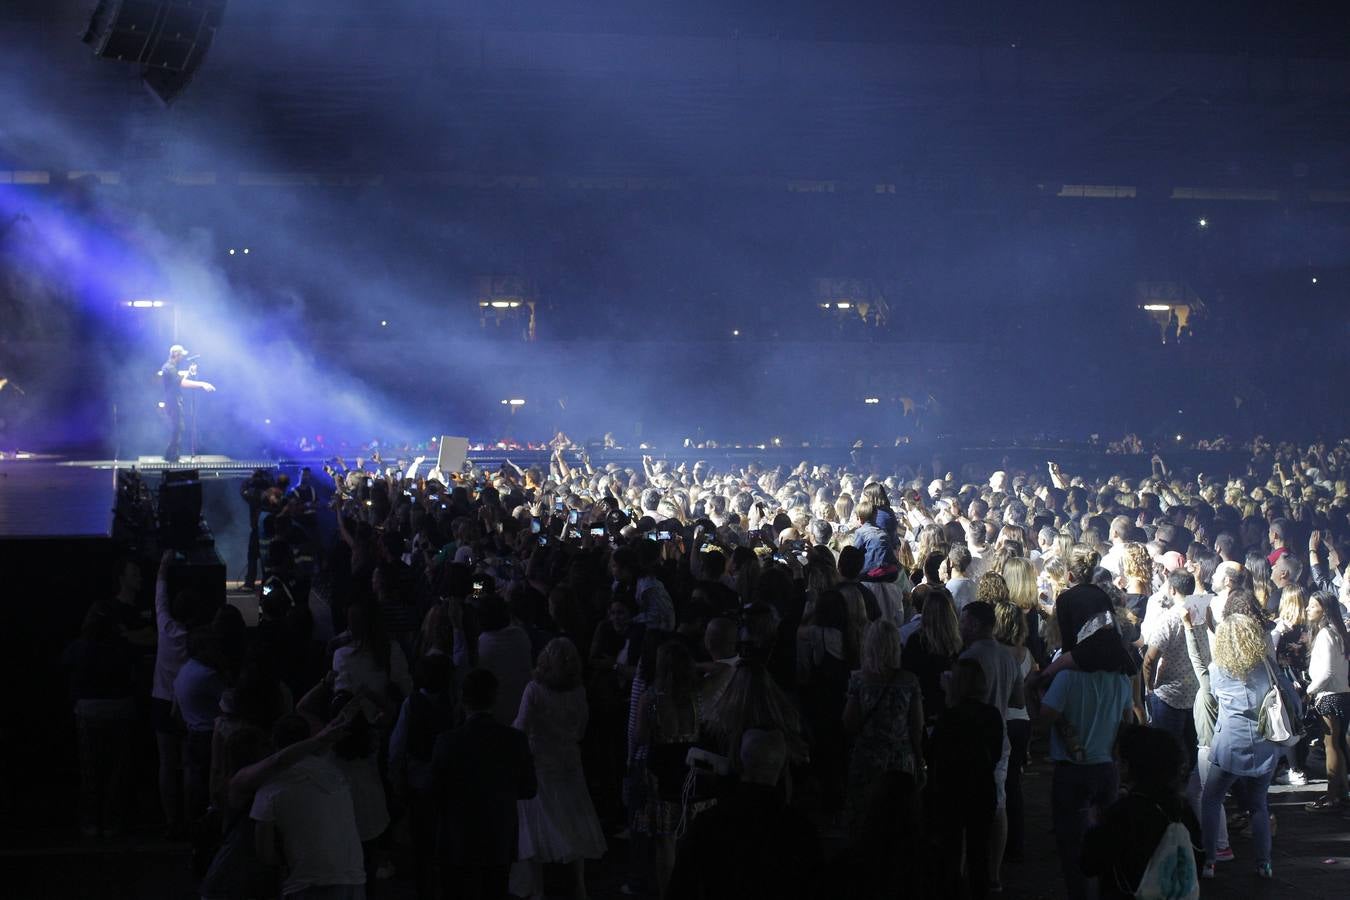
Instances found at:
x=765 y=682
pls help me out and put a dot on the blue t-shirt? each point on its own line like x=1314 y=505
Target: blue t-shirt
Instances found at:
x=1093 y=703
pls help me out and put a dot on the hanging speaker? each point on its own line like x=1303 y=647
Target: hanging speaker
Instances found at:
x=168 y=40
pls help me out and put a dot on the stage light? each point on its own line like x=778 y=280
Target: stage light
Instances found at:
x=515 y=401
x=1157 y=307
x=142 y=304
x=245 y=251
x=267 y=421
x=1178 y=437
x=384 y=323
x=1203 y=223
x=736 y=332
x=161 y=404
x=1314 y=279
x=843 y=306
x=501 y=304
x=232 y=251
x=872 y=401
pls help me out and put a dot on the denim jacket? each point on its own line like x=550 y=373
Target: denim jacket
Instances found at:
x=1237 y=746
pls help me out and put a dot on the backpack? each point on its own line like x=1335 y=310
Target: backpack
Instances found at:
x=1170 y=873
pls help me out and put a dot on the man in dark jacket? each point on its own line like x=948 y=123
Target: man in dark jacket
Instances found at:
x=480 y=770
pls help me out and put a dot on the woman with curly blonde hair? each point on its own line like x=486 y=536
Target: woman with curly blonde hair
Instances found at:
x=1240 y=679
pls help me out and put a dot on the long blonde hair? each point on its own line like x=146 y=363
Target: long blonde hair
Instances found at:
x=1020 y=574
x=1294 y=606
x=881 y=648
x=1240 y=645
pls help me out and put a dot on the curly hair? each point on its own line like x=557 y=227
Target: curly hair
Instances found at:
x=1240 y=645
x=991 y=588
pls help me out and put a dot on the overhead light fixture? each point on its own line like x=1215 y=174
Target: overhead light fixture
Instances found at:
x=1157 y=307
x=872 y=401
x=515 y=401
x=501 y=304
x=843 y=306
x=145 y=304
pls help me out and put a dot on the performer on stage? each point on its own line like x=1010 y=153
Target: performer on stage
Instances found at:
x=174 y=382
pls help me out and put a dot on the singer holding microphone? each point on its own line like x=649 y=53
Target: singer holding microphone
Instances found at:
x=175 y=382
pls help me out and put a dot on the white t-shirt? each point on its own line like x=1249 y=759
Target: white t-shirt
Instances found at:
x=962 y=589
x=310 y=805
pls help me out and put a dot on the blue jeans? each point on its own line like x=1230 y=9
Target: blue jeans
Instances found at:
x=1180 y=723
x=1217 y=783
x=1076 y=794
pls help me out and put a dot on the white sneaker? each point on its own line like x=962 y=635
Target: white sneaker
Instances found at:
x=1297 y=778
